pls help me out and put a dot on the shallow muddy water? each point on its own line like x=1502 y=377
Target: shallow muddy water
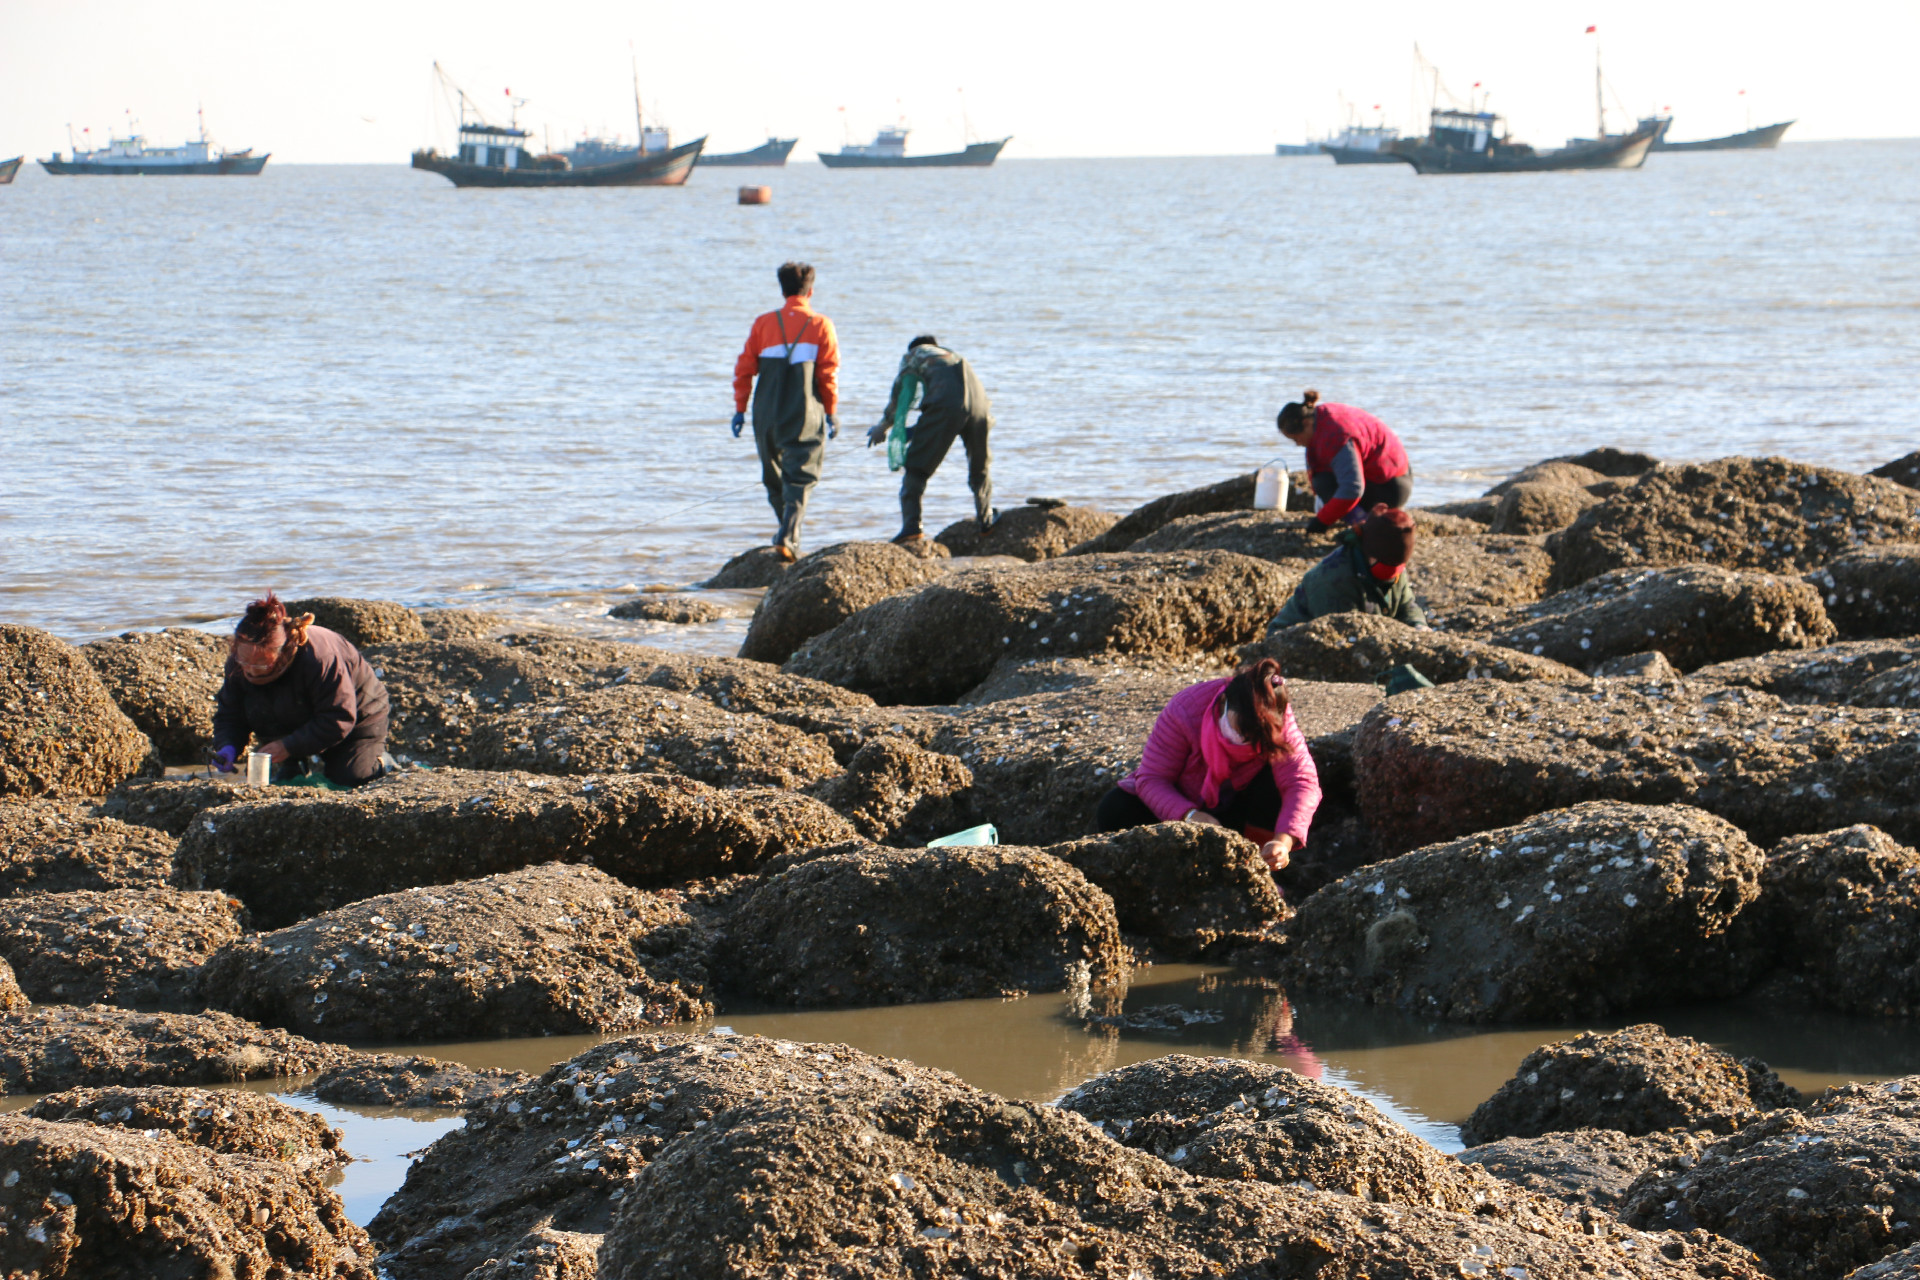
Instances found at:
x=1428 y=1076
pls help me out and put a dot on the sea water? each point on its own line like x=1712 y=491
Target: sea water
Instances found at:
x=360 y=381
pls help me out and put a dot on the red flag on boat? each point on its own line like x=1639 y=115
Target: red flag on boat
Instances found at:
x=1591 y=30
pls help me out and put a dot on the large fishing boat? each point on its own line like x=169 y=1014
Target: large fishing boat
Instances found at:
x=1363 y=144
x=8 y=168
x=132 y=157
x=1765 y=138
x=1476 y=142
x=888 y=150
x=772 y=153
x=492 y=155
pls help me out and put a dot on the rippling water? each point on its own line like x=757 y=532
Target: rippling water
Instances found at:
x=356 y=380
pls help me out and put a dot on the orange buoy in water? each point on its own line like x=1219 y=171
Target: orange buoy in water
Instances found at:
x=756 y=195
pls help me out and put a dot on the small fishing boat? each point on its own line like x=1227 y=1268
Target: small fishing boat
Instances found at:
x=772 y=153
x=1765 y=138
x=888 y=150
x=8 y=168
x=131 y=157
x=1297 y=149
x=1476 y=142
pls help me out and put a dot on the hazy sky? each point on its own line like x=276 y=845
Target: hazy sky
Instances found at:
x=349 y=80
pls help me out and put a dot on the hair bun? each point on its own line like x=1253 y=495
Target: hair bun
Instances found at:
x=1309 y=398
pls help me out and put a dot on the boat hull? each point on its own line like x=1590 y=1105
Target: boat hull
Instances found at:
x=1626 y=152
x=1362 y=155
x=655 y=169
x=977 y=156
x=1762 y=139
x=8 y=168
x=1299 y=149
x=772 y=154
x=240 y=166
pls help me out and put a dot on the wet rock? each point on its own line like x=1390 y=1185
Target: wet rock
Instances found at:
x=1562 y=473
x=104 y=1202
x=638 y=729
x=1650 y=665
x=50 y=846
x=897 y=793
x=290 y=856
x=462 y=624
x=440 y=688
x=1904 y=1265
x=1182 y=886
x=1239 y=1120
x=1144 y=677
x=365 y=623
x=1694 y=614
x=549 y=950
x=1613 y=463
x=1577 y=913
x=895 y=926
x=1639 y=1081
x=412 y=1080
x=1873 y=592
x=825 y=589
x=1478 y=510
x=940 y=1179
x=170 y=804
x=1904 y=471
x=736 y=684
x=1173 y=606
x=1814 y=1195
x=1588 y=1167
x=1539 y=507
x=60 y=730
x=231 y=1121
x=1438 y=763
x=1039 y=530
x=753 y=568
x=1899 y=687
x=558 y=1153
x=1274 y=536
x=1228 y=495
x=679 y=610
x=141 y=948
x=544 y=1254
x=165 y=681
x=1767 y=514
x=1429 y=523
x=1479 y=570
x=1842 y=909
x=1832 y=673
x=52 y=1047
x=1361 y=647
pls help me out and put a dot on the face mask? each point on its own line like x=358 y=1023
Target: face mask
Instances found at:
x=1386 y=572
x=1227 y=730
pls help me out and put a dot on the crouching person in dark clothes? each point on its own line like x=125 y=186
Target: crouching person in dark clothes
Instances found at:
x=302 y=691
x=953 y=406
x=1227 y=753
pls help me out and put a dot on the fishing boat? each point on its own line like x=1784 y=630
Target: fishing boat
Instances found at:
x=493 y=155
x=1476 y=142
x=772 y=153
x=1363 y=144
x=888 y=150
x=132 y=157
x=8 y=168
x=589 y=152
x=1765 y=138
x=1297 y=149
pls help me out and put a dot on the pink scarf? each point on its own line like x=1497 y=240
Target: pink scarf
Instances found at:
x=1223 y=758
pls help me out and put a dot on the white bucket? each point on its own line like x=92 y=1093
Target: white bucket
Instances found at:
x=259 y=768
x=1270 y=488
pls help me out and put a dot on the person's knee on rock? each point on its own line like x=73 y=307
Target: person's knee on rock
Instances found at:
x=1225 y=753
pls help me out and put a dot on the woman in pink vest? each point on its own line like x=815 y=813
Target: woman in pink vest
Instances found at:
x=1353 y=458
x=1226 y=753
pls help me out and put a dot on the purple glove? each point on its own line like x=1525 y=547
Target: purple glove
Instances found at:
x=223 y=759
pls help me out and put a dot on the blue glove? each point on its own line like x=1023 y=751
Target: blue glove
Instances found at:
x=833 y=428
x=223 y=759
x=739 y=421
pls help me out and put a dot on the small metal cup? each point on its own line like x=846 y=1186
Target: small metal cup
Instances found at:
x=259 y=768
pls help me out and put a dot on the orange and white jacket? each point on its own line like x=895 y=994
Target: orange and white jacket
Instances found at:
x=812 y=338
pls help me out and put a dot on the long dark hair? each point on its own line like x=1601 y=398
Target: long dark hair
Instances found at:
x=1257 y=699
x=1296 y=416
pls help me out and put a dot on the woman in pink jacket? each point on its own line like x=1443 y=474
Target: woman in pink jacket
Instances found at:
x=1226 y=753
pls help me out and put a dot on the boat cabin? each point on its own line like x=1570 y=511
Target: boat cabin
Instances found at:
x=1463 y=130
x=135 y=150
x=890 y=142
x=493 y=146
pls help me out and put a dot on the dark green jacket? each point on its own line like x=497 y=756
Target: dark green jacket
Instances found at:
x=1342 y=583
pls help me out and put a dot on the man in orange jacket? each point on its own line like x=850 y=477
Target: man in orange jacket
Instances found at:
x=795 y=355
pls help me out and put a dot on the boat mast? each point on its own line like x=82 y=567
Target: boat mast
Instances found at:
x=1599 y=92
x=639 y=124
